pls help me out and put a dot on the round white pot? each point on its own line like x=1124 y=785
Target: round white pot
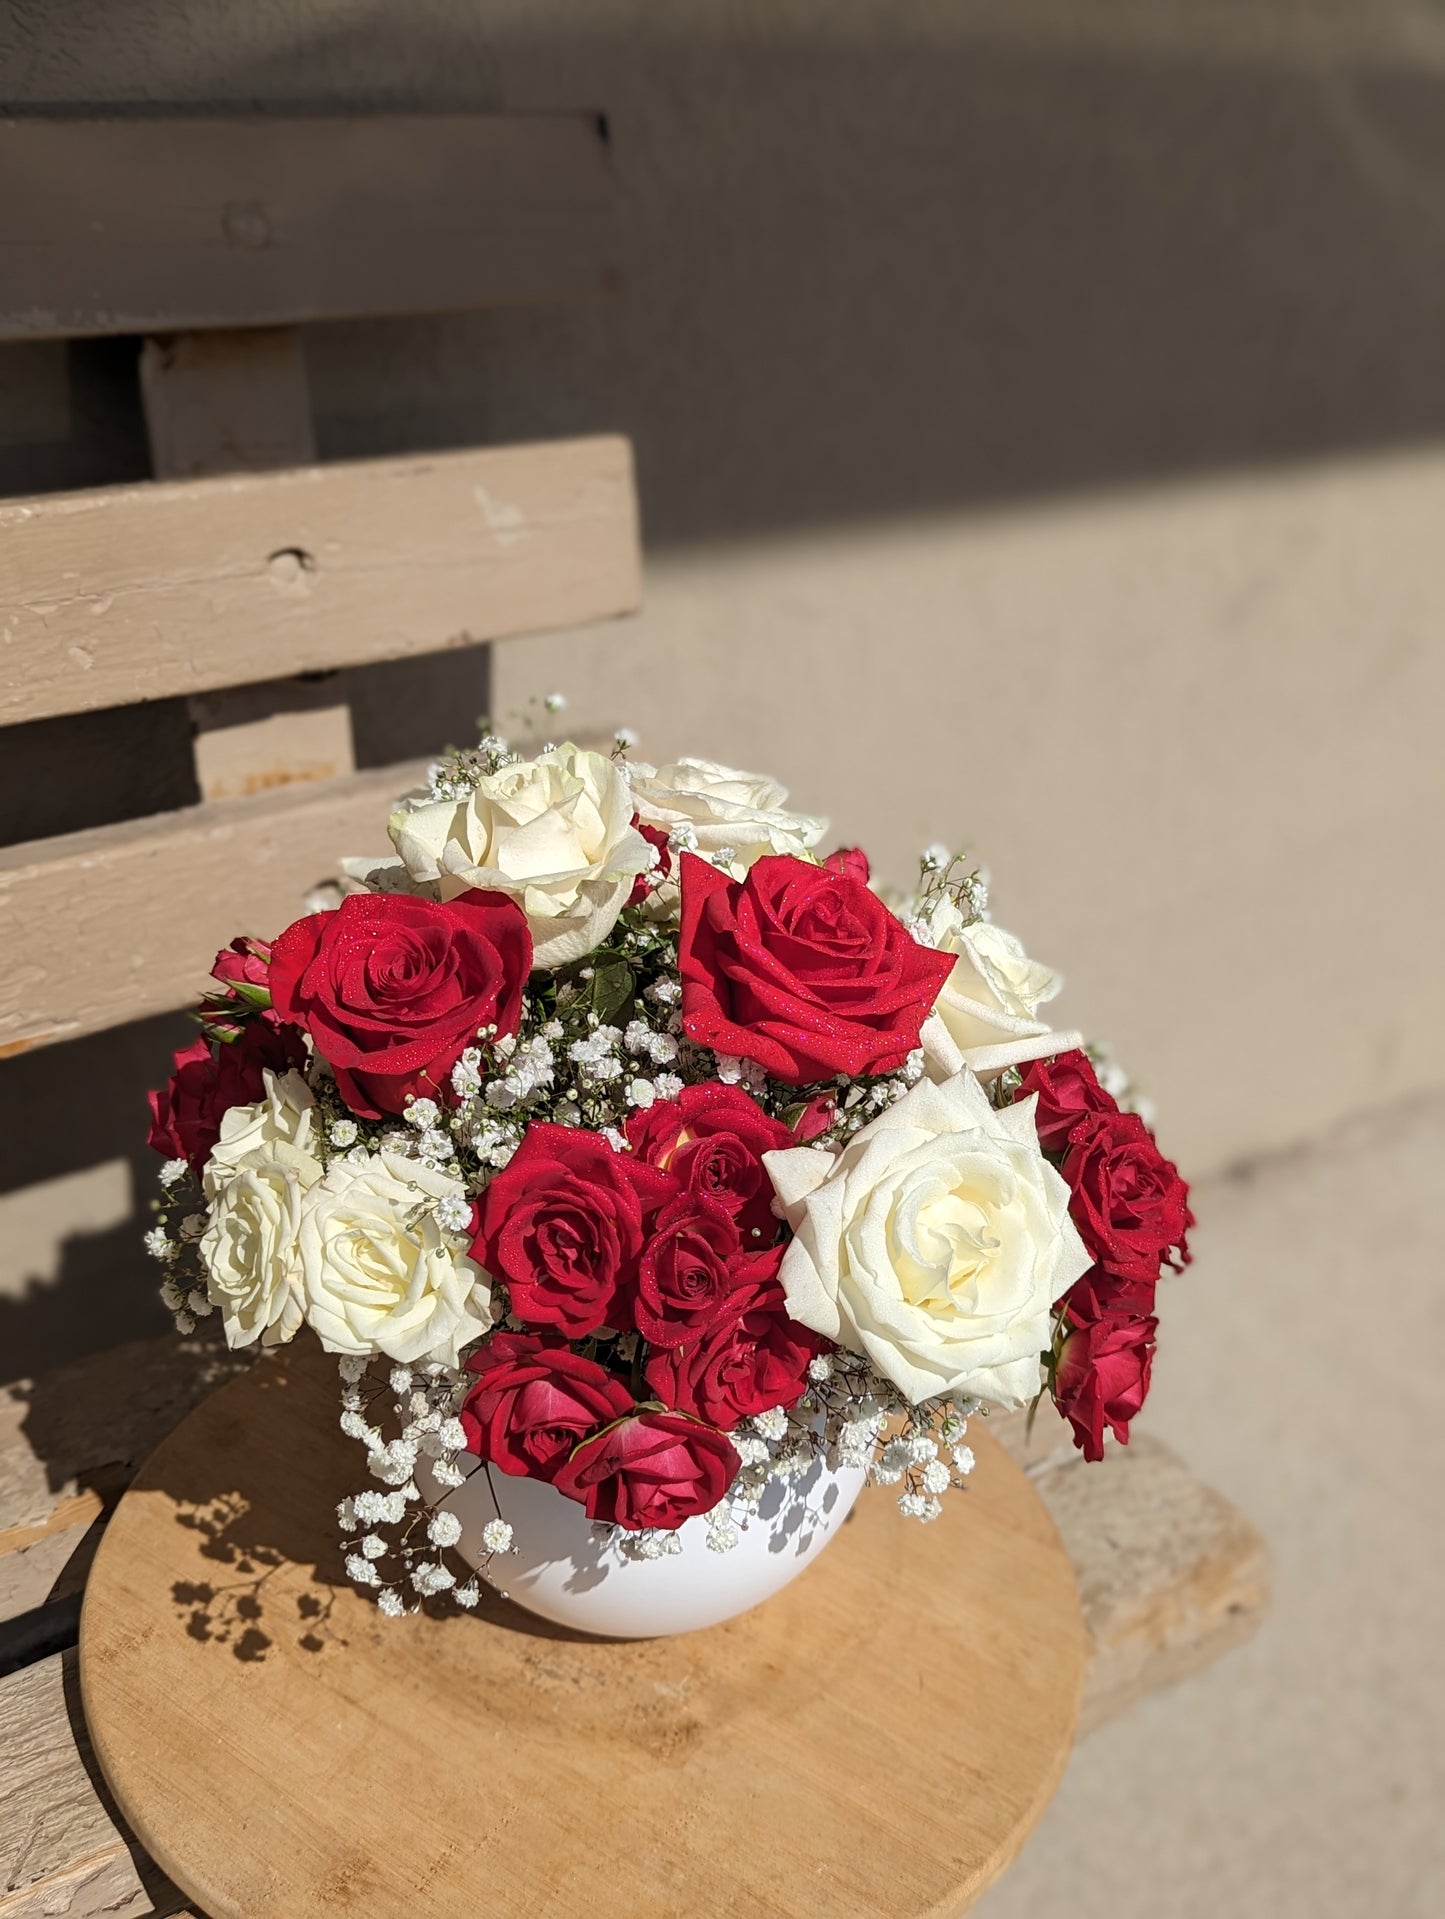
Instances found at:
x=560 y=1570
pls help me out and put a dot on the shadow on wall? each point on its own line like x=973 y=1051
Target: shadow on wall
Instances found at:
x=875 y=262
x=66 y=1109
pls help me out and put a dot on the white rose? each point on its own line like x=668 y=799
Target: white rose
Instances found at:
x=935 y=1243
x=724 y=808
x=555 y=834
x=255 y=1179
x=379 y=1271
x=286 y=1113
x=251 y=1246
x=985 y=1016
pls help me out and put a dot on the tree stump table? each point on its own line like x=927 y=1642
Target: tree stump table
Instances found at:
x=877 y=1740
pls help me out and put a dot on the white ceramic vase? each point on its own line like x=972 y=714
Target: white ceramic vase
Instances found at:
x=561 y=1571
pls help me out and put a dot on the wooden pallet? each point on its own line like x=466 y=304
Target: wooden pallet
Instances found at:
x=1170 y=1576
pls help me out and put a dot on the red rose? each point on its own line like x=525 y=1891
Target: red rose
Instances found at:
x=1102 y=1375
x=690 y=1268
x=208 y=1080
x=1128 y=1201
x=562 y=1227
x=534 y=1401
x=712 y=1138
x=654 y=1470
x=750 y=1359
x=801 y=969
x=648 y=883
x=1068 y=1091
x=394 y=989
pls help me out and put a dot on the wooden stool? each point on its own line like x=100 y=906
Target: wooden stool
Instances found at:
x=878 y=1739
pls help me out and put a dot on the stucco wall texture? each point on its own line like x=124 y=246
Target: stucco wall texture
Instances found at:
x=1040 y=422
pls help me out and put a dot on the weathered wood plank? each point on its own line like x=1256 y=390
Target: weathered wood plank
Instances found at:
x=70 y=1443
x=63 y=1853
x=136 y=593
x=162 y=224
x=1171 y=1575
x=236 y=401
x=170 y=891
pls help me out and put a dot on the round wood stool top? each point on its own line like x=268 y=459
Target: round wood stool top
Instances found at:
x=873 y=1743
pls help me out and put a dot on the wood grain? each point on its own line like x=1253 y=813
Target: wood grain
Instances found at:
x=148 y=225
x=70 y=1443
x=170 y=891
x=137 y=593
x=61 y=1853
x=878 y=1738
x=1171 y=1575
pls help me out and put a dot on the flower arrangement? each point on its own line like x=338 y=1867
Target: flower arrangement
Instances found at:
x=613 y=1136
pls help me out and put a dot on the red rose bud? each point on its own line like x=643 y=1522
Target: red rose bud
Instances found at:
x=1102 y=1374
x=534 y=1402
x=712 y=1138
x=656 y=1469
x=563 y=1227
x=850 y=860
x=752 y=1358
x=801 y=969
x=647 y=883
x=245 y=962
x=1129 y=1203
x=393 y=990
x=813 y=1120
x=186 y=1115
x=686 y=1273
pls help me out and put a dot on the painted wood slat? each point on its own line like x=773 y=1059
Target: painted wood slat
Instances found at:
x=159 y=224
x=142 y=592
x=169 y=891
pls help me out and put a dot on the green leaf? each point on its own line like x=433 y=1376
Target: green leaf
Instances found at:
x=612 y=990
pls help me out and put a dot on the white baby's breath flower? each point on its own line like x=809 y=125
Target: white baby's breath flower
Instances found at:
x=373 y=1546
x=342 y=1132
x=468 y=1595
x=173 y=1170
x=159 y=1244
x=428 y=1578
x=936 y=1477
x=497 y=1536
x=391 y=1603
x=361 y=1572
x=444 y=1529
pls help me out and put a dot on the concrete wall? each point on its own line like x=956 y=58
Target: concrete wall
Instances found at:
x=1039 y=412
